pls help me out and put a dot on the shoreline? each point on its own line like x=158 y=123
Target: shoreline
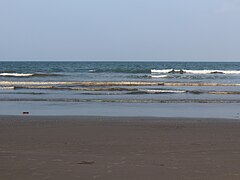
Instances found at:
x=171 y=110
x=85 y=118
x=98 y=147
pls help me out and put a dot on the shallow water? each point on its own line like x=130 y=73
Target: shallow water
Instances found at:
x=187 y=110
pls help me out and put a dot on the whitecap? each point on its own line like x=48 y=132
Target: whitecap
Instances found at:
x=7 y=88
x=160 y=76
x=159 y=91
x=181 y=71
x=16 y=74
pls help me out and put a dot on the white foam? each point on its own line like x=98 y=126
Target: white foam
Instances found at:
x=160 y=71
x=160 y=76
x=164 y=71
x=16 y=74
x=90 y=83
x=161 y=91
x=37 y=87
x=34 y=83
x=7 y=88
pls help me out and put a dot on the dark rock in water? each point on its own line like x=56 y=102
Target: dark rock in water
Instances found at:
x=25 y=112
x=172 y=71
x=176 y=72
x=217 y=72
x=182 y=72
x=195 y=92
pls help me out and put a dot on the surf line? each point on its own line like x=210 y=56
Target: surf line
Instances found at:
x=122 y=83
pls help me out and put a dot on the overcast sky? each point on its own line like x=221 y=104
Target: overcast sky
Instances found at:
x=119 y=30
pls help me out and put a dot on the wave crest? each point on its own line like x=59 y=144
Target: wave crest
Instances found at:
x=26 y=74
x=184 y=71
x=16 y=74
x=7 y=88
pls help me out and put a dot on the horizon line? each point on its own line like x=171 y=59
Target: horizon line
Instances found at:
x=30 y=60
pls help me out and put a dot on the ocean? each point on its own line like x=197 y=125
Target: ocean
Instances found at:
x=70 y=87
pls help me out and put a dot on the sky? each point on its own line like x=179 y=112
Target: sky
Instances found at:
x=186 y=30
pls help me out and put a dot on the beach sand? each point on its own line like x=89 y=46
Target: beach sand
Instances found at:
x=118 y=148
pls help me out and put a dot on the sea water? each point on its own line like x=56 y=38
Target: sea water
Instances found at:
x=146 y=87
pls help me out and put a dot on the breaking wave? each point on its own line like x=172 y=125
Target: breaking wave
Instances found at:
x=183 y=71
x=16 y=74
x=26 y=74
x=161 y=91
x=7 y=88
x=161 y=76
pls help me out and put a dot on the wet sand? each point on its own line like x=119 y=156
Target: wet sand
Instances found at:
x=118 y=148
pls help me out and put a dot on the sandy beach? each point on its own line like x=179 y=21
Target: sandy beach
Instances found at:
x=44 y=147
